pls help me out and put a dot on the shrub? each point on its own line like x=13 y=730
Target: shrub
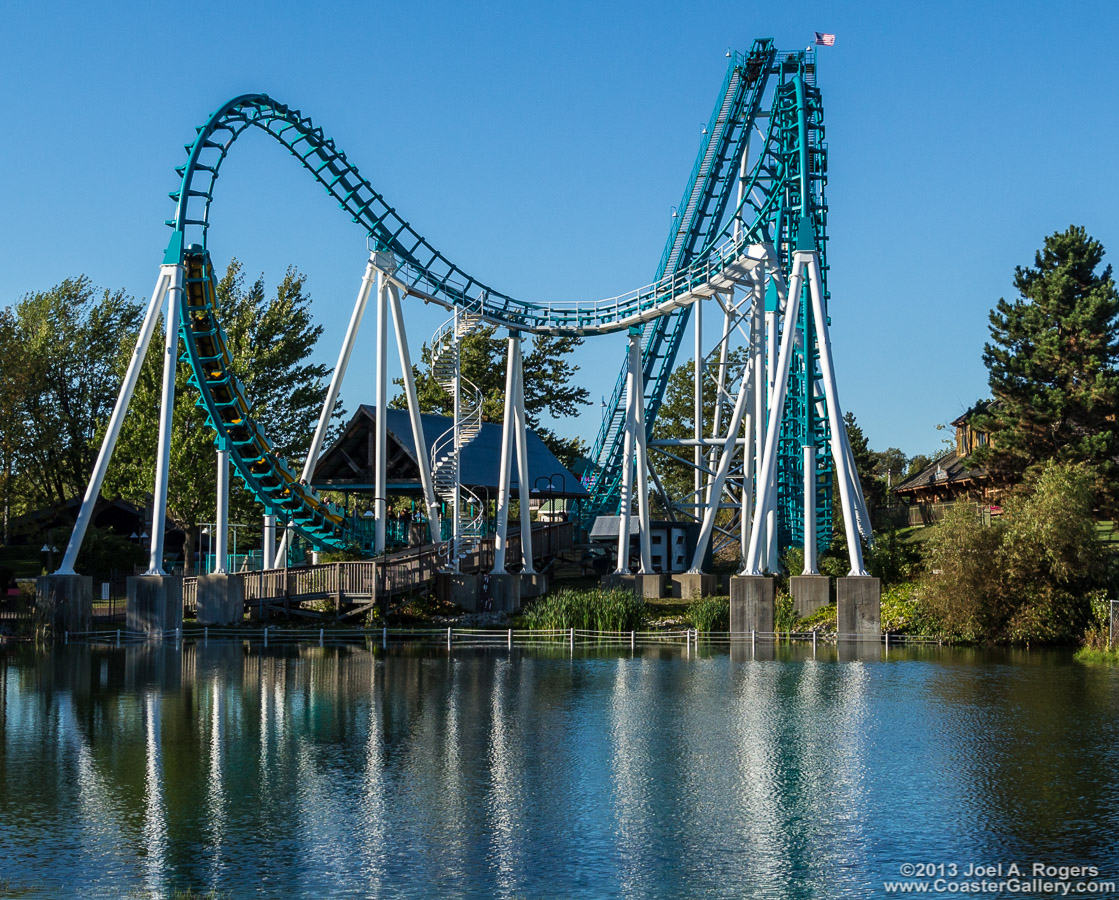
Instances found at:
x=596 y=609
x=1026 y=577
x=784 y=614
x=710 y=614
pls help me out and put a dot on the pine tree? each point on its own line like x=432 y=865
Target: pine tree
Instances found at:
x=1052 y=364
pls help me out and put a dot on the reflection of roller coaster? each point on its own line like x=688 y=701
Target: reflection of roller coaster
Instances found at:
x=751 y=223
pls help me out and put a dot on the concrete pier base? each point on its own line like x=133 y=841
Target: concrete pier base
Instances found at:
x=693 y=585
x=221 y=599
x=650 y=587
x=615 y=580
x=810 y=593
x=64 y=602
x=155 y=604
x=504 y=593
x=458 y=588
x=533 y=584
x=859 y=606
x=752 y=602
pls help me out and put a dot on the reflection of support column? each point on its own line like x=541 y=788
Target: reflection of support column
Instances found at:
x=756 y=557
x=523 y=482
x=269 y=542
x=504 y=473
x=113 y=431
x=625 y=501
x=641 y=447
x=809 y=511
x=221 y=551
x=155 y=813
x=166 y=418
x=380 y=480
x=844 y=474
x=423 y=459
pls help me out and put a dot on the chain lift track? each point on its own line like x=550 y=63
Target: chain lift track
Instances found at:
x=714 y=245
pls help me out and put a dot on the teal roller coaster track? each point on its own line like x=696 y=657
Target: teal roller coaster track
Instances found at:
x=758 y=180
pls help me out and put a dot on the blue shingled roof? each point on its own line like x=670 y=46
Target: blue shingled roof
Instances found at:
x=481 y=458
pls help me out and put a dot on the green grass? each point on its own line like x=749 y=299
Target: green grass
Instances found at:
x=25 y=562
x=1089 y=655
x=708 y=614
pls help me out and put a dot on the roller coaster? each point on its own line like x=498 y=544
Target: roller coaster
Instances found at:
x=749 y=233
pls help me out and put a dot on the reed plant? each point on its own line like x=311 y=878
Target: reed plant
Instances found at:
x=593 y=609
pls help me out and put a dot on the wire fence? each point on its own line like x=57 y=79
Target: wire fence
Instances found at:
x=509 y=638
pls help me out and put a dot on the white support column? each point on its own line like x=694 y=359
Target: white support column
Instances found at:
x=339 y=373
x=809 y=511
x=625 y=498
x=720 y=387
x=863 y=515
x=524 y=485
x=641 y=447
x=697 y=430
x=504 y=471
x=221 y=550
x=719 y=479
x=269 y=540
x=380 y=437
x=844 y=474
x=85 y=514
x=423 y=458
x=765 y=498
x=771 y=481
x=166 y=416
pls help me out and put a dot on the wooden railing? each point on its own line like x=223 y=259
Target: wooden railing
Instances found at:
x=395 y=573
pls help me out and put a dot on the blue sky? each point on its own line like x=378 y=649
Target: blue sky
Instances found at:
x=541 y=146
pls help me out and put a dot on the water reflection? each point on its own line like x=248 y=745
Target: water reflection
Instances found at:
x=341 y=771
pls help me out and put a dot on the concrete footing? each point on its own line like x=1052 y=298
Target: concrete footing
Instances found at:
x=155 y=604
x=618 y=580
x=859 y=606
x=501 y=593
x=650 y=587
x=810 y=593
x=221 y=599
x=458 y=588
x=752 y=602
x=64 y=602
x=533 y=584
x=693 y=585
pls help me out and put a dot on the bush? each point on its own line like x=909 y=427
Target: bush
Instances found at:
x=784 y=614
x=892 y=559
x=710 y=614
x=596 y=609
x=1026 y=577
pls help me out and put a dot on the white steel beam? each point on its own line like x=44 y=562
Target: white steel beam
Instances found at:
x=85 y=514
x=423 y=459
x=524 y=486
x=764 y=513
x=504 y=472
x=809 y=511
x=221 y=549
x=380 y=437
x=166 y=418
x=844 y=473
x=642 y=452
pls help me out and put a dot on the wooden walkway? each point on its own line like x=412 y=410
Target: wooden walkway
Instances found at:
x=348 y=589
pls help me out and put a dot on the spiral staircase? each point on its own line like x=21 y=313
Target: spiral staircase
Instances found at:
x=468 y=519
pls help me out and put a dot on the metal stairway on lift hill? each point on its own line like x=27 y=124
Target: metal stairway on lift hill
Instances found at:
x=703 y=205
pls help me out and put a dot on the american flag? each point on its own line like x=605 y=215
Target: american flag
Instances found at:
x=825 y=40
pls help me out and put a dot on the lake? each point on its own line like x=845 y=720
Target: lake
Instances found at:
x=350 y=771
